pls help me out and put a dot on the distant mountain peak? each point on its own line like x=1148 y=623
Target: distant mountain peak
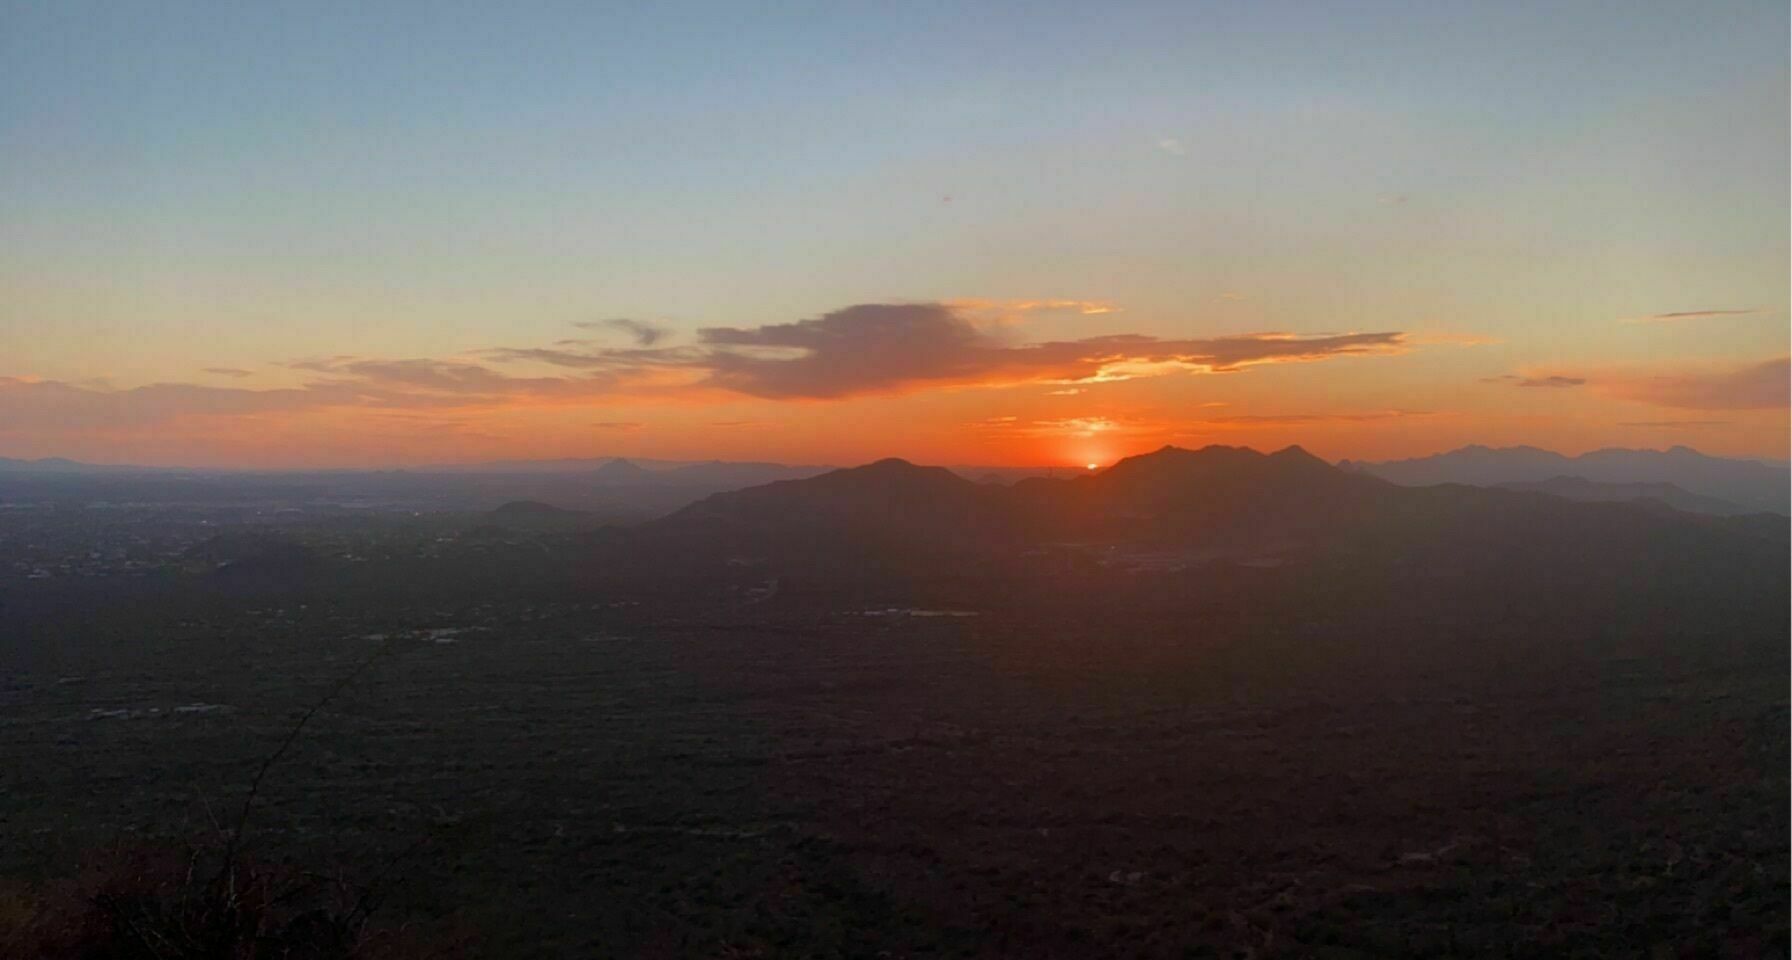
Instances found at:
x=889 y=463
x=620 y=470
x=1170 y=454
x=1298 y=454
x=1749 y=484
x=892 y=473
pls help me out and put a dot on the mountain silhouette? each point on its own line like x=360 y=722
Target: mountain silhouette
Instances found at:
x=1215 y=504
x=890 y=512
x=58 y=465
x=1215 y=496
x=253 y=558
x=1751 y=484
x=722 y=475
x=1667 y=495
x=619 y=472
x=535 y=515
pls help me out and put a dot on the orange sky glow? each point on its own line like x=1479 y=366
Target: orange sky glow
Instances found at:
x=932 y=382
x=379 y=235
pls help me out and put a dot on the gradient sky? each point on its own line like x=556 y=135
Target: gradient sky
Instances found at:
x=318 y=234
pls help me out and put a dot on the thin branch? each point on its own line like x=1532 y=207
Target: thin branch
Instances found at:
x=292 y=736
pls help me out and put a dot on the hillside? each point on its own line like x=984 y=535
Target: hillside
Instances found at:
x=1190 y=507
x=1665 y=494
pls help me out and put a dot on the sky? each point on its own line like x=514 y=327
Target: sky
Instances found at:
x=382 y=234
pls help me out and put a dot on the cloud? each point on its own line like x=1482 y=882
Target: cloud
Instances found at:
x=46 y=406
x=985 y=313
x=228 y=372
x=1172 y=146
x=1293 y=419
x=1680 y=315
x=1080 y=426
x=890 y=348
x=1755 y=386
x=645 y=334
x=427 y=382
x=1073 y=426
x=32 y=406
x=586 y=358
x=618 y=425
x=1674 y=423
x=859 y=350
x=1553 y=381
x=1543 y=381
x=1444 y=337
x=741 y=424
x=1142 y=426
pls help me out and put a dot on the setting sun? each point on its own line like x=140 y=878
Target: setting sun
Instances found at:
x=1095 y=466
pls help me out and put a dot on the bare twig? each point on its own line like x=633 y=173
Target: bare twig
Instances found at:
x=242 y=820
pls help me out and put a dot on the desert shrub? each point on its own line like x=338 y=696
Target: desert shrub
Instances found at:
x=213 y=899
x=173 y=903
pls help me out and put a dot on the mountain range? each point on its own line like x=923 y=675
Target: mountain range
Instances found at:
x=1666 y=495
x=1188 y=508
x=1747 y=484
x=65 y=465
x=1679 y=478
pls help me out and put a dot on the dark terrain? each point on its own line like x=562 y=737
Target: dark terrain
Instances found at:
x=1210 y=704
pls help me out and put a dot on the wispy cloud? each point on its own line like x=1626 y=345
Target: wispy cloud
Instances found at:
x=983 y=312
x=1088 y=426
x=625 y=425
x=860 y=350
x=1449 y=338
x=1755 y=386
x=1681 y=315
x=1172 y=146
x=228 y=372
x=33 y=406
x=889 y=348
x=1669 y=424
x=1553 y=380
x=644 y=334
x=1169 y=427
x=1294 y=419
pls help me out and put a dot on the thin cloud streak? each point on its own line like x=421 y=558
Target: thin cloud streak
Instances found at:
x=1294 y=419
x=863 y=350
x=1133 y=426
x=1682 y=315
x=1552 y=381
x=1445 y=337
x=644 y=334
x=1665 y=424
x=1766 y=385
